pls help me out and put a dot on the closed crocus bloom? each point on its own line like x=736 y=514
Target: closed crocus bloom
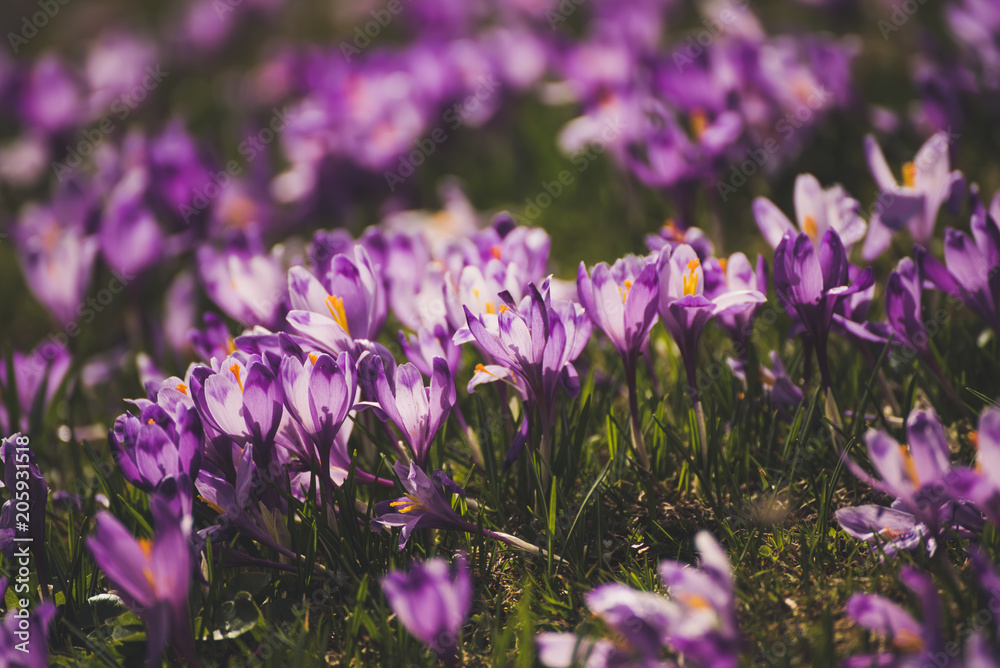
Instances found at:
x=164 y=443
x=152 y=576
x=969 y=272
x=346 y=304
x=130 y=235
x=810 y=281
x=432 y=601
x=816 y=211
x=418 y=412
x=927 y=184
x=44 y=367
x=911 y=643
x=621 y=300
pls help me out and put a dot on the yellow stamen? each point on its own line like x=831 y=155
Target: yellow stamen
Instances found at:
x=624 y=291
x=182 y=388
x=809 y=227
x=211 y=504
x=230 y=346
x=495 y=252
x=313 y=358
x=908 y=641
x=235 y=370
x=691 y=279
x=723 y=262
x=503 y=308
x=336 y=306
x=699 y=123
x=491 y=308
x=475 y=292
x=151 y=421
x=412 y=504
x=911 y=468
x=909 y=174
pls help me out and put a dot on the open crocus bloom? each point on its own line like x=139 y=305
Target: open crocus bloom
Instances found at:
x=346 y=304
x=816 y=211
x=425 y=505
x=684 y=307
x=920 y=479
x=927 y=184
x=697 y=620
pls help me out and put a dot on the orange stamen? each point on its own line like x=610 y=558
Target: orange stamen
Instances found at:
x=313 y=358
x=411 y=504
x=809 y=227
x=495 y=252
x=336 y=306
x=699 y=123
x=151 y=421
x=235 y=370
x=691 y=279
x=491 y=308
x=909 y=174
x=911 y=468
x=908 y=641
x=182 y=388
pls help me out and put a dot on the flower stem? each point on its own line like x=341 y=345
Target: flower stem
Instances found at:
x=638 y=443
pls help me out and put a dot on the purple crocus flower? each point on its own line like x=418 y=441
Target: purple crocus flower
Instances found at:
x=903 y=310
x=425 y=505
x=533 y=346
x=130 y=235
x=247 y=283
x=152 y=576
x=432 y=601
x=418 y=412
x=345 y=304
x=927 y=184
x=816 y=210
x=684 y=307
x=165 y=442
x=241 y=400
x=44 y=367
x=919 y=478
x=913 y=643
x=696 y=621
x=981 y=485
x=57 y=257
x=810 y=281
x=970 y=272
x=622 y=301
x=26 y=647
